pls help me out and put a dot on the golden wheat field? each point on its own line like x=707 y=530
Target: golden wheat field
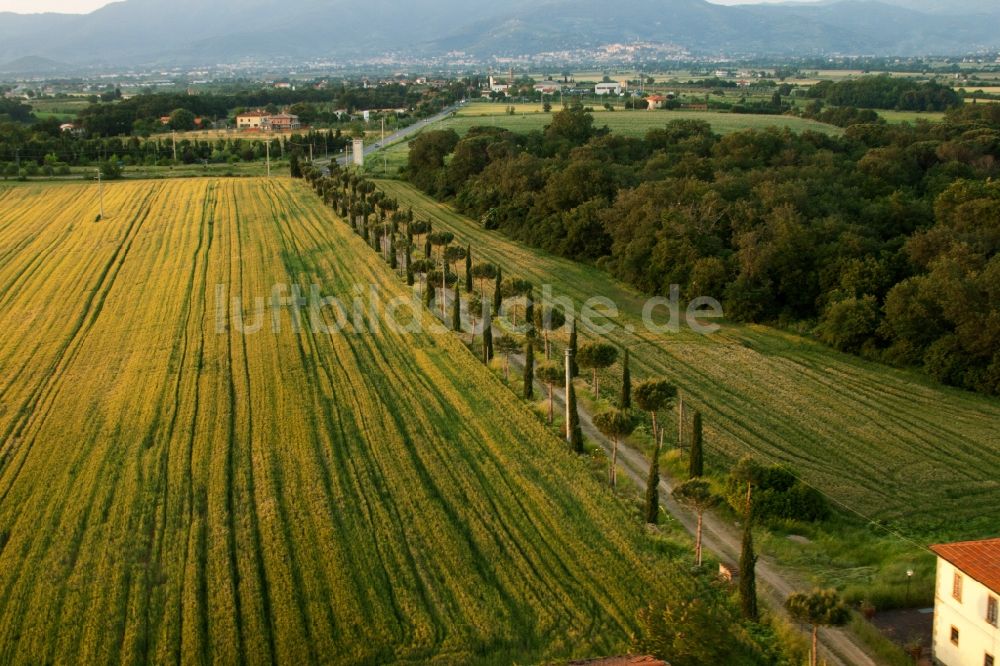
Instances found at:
x=175 y=490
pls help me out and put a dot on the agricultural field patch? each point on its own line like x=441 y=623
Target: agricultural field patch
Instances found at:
x=175 y=489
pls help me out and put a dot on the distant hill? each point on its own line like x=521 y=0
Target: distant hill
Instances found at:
x=195 y=31
x=33 y=65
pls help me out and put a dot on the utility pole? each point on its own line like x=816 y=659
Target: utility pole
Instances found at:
x=569 y=379
x=100 y=192
x=310 y=152
x=267 y=149
x=173 y=135
x=385 y=165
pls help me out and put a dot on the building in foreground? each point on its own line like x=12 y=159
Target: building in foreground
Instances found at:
x=966 y=593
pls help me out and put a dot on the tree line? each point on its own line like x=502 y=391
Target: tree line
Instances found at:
x=881 y=242
x=29 y=150
x=887 y=92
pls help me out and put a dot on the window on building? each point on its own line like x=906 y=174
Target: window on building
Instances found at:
x=956 y=586
x=954 y=635
x=991 y=610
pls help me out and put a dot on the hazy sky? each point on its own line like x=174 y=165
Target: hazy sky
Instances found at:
x=84 y=6
x=34 y=6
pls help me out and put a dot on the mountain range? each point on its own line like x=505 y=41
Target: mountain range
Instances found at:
x=198 y=32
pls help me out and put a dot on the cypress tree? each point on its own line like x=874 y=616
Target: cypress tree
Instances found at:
x=529 y=313
x=427 y=246
x=468 y=270
x=456 y=310
x=393 y=260
x=487 y=340
x=409 y=275
x=696 y=463
x=529 y=370
x=653 y=488
x=626 y=399
x=497 y=293
x=575 y=433
x=428 y=294
x=574 y=369
x=748 y=573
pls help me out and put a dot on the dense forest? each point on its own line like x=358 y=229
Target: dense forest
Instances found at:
x=886 y=92
x=882 y=242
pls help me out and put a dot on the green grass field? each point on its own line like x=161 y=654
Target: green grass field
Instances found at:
x=910 y=116
x=887 y=443
x=629 y=123
x=175 y=491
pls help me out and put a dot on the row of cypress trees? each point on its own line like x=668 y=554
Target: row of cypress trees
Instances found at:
x=359 y=200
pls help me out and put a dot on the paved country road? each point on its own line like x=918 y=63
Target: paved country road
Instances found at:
x=395 y=137
x=838 y=647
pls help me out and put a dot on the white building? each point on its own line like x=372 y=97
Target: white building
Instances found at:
x=610 y=88
x=966 y=594
x=497 y=86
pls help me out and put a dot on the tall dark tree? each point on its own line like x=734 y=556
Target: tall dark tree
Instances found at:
x=529 y=369
x=748 y=573
x=393 y=259
x=529 y=313
x=428 y=292
x=626 y=398
x=468 y=269
x=696 y=462
x=409 y=275
x=573 y=425
x=294 y=167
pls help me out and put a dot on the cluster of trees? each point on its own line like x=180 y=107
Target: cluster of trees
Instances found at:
x=14 y=110
x=883 y=241
x=141 y=114
x=34 y=148
x=777 y=494
x=886 y=92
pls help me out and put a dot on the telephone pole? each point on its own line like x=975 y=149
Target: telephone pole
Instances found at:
x=385 y=165
x=100 y=192
x=173 y=135
x=569 y=380
x=267 y=148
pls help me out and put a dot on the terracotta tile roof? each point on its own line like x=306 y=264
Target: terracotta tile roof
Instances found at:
x=643 y=660
x=980 y=560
